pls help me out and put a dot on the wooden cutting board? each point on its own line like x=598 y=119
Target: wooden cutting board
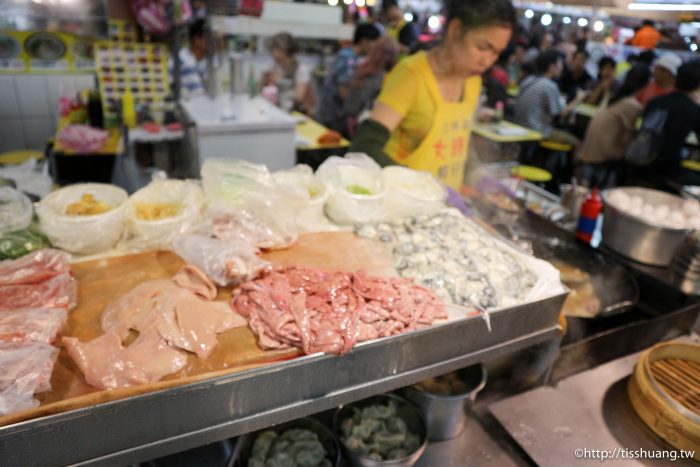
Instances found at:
x=102 y=281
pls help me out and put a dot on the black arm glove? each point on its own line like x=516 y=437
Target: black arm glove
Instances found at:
x=371 y=138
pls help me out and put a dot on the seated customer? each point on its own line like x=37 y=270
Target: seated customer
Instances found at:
x=604 y=88
x=680 y=115
x=611 y=130
x=575 y=77
x=540 y=102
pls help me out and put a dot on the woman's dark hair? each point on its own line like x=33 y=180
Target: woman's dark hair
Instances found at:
x=284 y=42
x=196 y=30
x=637 y=77
x=479 y=13
x=688 y=77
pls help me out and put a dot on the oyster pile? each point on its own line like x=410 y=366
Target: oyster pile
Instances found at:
x=455 y=258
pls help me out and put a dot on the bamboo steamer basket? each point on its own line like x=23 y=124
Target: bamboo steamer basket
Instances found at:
x=665 y=393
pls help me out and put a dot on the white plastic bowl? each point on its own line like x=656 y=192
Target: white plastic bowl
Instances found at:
x=346 y=208
x=83 y=234
x=157 y=233
x=410 y=192
x=311 y=216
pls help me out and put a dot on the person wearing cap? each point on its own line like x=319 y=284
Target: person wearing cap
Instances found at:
x=647 y=36
x=681 y=116
x=664 y=78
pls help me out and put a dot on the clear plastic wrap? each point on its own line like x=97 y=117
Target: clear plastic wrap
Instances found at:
x=245 y=198
x=301 y=181
x=35 y=325
x=356 y=189
x=411 y=192
x=25 y=369
x=58 y=292
x=225 y=262
x=34 y=268
x=160 y=211
x=15 y=210
x=29 y=177
x=83 y=234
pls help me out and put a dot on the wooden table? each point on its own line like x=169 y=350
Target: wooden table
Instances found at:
x=491 y=131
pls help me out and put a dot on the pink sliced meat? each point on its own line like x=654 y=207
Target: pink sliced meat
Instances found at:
x=106 y=364
x=172 y=318
x=34 y=268
x=36 y=325
x=191 y=278
x=318 y=311
x=60 y=291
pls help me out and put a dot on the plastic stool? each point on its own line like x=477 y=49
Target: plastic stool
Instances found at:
x=531 y=173
x=18 y=157
x=691 y=165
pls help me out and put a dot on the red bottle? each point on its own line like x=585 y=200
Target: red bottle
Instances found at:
x=590 y=210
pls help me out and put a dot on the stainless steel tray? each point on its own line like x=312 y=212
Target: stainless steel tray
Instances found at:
x=159 y=423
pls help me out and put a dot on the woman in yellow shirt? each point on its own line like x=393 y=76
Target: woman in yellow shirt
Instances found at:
x=423 y=116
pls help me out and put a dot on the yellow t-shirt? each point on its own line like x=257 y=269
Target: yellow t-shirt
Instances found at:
x=406 y=89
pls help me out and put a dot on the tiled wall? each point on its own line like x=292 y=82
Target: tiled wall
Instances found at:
x=29 y=107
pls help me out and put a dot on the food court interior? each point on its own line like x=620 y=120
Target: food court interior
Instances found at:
x=349 y=232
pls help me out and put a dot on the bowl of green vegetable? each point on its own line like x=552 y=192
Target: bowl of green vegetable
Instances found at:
x=381 y=431
x=304 y=442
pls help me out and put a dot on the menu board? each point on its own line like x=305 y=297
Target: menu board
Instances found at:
x=142 y=68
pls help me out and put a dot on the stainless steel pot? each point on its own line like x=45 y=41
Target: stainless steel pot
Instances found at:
x=445 y=415
x=637 y=239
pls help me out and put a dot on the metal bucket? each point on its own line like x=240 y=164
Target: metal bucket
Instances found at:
x=636 y=239
x=445 y=415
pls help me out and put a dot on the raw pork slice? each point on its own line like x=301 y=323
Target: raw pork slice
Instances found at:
x=25 y=369
x=171 y=316
x=34 y=268
x=106 y=364
x=60 y=291
x=37 y=325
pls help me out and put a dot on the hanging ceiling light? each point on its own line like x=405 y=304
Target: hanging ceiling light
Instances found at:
x=408 y=17
x=598 y=26
x=371 y=2
x=332 y=2
x=529 y=14
x=583 y=22
x=664 y=6
x=566 y=20
x=546 y=19
x=360 y=3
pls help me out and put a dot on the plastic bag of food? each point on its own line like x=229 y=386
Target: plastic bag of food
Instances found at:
x=86 y=218
x=356 y=189
x=25 y=369
x=159 y=211
x=225 y=262
x=21 y=242
x=15 y=210
x=410 y=192
x=35 y=325
x=57 y=292
x=245 y=197
x=34 y=268
x=301 y=181
x=30 y=177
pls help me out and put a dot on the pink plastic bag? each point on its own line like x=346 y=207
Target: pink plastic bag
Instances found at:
x=35 y=325
x=25 y=369
x=58 y=292
x=82 y=138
